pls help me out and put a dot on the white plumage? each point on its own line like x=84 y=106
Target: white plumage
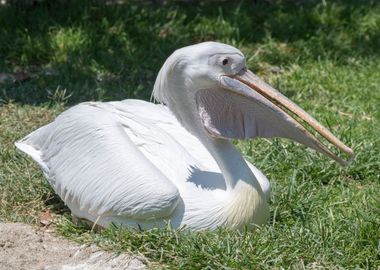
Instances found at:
x=140 y=164
x=128 y=161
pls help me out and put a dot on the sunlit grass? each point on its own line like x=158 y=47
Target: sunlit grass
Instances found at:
x=324 y=57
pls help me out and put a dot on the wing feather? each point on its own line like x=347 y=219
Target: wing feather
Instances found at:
x=89 y=159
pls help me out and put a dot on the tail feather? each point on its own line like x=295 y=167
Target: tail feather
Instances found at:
x=31 y=145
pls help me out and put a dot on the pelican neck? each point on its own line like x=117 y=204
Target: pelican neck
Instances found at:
x=231 y=163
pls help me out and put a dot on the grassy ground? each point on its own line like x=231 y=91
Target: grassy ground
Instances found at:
x=325 y=57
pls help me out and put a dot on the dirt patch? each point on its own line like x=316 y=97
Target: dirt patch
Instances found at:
x=25 y=247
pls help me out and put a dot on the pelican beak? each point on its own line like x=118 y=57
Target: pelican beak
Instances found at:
x=291 y=120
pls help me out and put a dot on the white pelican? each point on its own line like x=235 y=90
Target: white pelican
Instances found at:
x=139 y=164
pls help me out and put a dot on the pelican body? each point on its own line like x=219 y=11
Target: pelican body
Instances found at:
x=142 y=165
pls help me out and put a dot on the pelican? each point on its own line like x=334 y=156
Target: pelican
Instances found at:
x=139 y=164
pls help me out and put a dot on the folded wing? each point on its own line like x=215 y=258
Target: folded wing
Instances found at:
x=90 y=161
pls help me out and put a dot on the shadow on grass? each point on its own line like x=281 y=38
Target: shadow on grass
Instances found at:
x=56 y=205
x=93 y=51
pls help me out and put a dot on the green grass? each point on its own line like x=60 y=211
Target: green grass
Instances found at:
x=328 y=57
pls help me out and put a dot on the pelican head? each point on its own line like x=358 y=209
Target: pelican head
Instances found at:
x=209 y=89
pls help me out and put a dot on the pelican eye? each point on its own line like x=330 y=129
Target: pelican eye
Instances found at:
x=225 y=61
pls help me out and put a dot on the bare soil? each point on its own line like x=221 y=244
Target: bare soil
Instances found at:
x=25 y=247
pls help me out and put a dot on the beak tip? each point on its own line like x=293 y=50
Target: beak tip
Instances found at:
x=346 y=163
